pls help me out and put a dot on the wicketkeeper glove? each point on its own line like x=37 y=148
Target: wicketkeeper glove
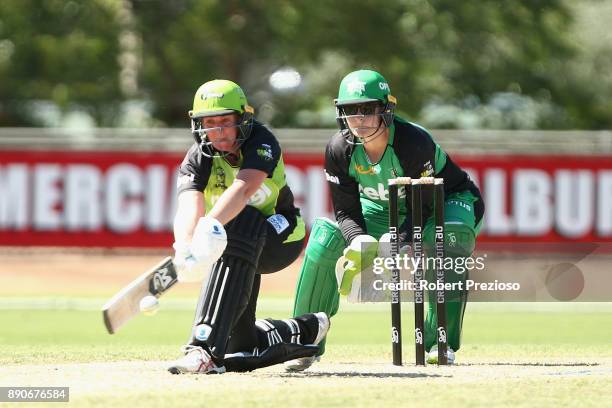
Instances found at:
x=384 y=246
x=358 y=256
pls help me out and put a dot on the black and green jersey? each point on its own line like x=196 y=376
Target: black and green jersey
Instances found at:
x=213 y=175
x=360 y=190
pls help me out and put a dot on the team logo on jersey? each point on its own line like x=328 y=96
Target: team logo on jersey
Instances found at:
x=220 y=178
x=265 y=152
x=356 y=87
x=367 y=170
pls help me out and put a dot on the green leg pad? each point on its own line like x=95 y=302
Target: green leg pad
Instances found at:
x=317 y=289
x=459 y=243
x=455 y=309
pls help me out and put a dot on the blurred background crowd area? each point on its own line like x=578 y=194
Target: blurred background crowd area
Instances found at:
x=94 y=97
x=474 y=64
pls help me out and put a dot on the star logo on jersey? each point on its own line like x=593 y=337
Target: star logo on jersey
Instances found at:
x=356 y=87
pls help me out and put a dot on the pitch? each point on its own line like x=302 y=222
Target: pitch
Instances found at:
x=513 y=354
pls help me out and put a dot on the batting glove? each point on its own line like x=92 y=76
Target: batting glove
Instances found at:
x=194 y=260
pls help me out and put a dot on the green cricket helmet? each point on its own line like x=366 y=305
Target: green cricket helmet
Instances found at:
x=360 y=89
x=217 y=98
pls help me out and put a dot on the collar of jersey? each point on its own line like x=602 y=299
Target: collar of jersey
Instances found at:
x=224 y=158
x=389 y=144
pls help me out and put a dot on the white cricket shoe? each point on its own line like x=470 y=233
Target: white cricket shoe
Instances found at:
x=195 y=361
x=432 y=356
x=301 y=364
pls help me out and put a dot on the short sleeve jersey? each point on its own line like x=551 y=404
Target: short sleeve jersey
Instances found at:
x=360 y=189
x=213 y=175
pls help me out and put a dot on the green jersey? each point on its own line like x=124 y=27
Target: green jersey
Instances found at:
x=359 y=187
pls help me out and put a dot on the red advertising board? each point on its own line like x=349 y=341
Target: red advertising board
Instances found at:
x=544 y=198
x=127 y=199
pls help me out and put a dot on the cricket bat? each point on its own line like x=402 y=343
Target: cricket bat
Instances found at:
x=122 y=307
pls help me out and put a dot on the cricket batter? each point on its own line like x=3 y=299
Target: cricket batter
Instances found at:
x=372 y=146
x=236 y=220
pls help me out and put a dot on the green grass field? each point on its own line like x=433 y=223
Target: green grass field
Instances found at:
x=512 y=355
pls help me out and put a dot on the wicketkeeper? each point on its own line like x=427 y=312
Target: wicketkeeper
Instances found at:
x=372 y=146
x=235 y=221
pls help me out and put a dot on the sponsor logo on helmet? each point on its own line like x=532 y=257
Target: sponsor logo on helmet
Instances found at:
x=206 y=96
x=356 y=87
x=384 y=86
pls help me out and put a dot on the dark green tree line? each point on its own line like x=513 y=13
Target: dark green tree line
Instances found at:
x=478 y=55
